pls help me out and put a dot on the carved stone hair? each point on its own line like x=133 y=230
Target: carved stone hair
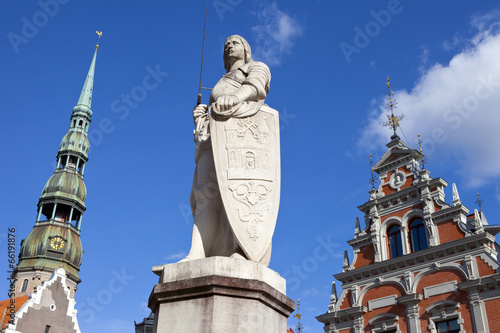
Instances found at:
x=246 y=47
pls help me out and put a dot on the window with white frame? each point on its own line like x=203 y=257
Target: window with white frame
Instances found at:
x=418 y=239
x=445 y=317
x=395 y=241
x=385 y=323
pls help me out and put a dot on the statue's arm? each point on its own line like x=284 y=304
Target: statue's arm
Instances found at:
x=200 y=117
x=254 y=88
x=258 y=76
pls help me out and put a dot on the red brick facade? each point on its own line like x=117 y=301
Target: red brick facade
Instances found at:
x=419 y=262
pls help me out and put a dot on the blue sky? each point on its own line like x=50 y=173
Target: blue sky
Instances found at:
x=329 y=61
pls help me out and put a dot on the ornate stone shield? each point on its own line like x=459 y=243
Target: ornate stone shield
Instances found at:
x=247 y=161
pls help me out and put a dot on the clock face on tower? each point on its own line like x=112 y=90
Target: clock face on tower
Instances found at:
x=57 y=243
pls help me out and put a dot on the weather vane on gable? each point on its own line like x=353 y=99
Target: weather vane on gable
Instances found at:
x=392 y=120
x=424 y=158
x=479 y=202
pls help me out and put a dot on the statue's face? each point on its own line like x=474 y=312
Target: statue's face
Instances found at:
x=234 y=49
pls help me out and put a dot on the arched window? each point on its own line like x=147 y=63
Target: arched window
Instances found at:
x=417 y=235
x=25 y=286
x=395 y=244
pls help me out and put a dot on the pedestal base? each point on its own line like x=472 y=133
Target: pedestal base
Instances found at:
x=219 y=295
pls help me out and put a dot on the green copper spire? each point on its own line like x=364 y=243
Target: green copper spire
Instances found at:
x=85 y=100
x=54 y=241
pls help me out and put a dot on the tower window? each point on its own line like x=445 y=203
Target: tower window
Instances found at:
x=63 y=162
x=72 y=162
x=80 y=123
x=47 y=329
x=25 y=286
x=395 y=244
x=417 y=235
x=80 y=166
x=62 y=213
x=47 y=210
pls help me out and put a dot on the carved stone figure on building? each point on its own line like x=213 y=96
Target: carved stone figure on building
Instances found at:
x=235 y=193
x=430 y=227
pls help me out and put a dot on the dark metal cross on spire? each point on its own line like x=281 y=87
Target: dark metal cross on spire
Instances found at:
x=392 y=120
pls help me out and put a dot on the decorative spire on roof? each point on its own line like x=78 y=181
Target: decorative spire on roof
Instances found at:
x=456 y=196
x=298 y=315
x=333 y=298
x=479 y=203
x=372 y=179
x=346 y=264
x=478 y=224
x=424 y=158
x=85 y=100
x=392 y=120
x=357 y=228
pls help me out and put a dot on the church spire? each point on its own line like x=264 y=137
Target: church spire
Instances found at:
x=54 y=241
x=85 y=99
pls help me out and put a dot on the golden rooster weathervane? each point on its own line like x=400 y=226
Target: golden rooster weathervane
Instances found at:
x=99 y=33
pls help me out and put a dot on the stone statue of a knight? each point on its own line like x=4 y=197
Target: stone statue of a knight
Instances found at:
x=236 y=185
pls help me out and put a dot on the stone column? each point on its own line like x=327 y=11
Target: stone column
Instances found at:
x=412 y=311
x=478 y=312
x=358 y=325
x=219 y=295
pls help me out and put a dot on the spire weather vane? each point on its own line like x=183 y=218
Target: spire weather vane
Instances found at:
x=298 y=315
x=392 y=120
x=424 y=158
x=372 y=179
x=479 y=202
x=99 y=33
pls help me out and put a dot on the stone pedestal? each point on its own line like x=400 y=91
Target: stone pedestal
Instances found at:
x=219 y=295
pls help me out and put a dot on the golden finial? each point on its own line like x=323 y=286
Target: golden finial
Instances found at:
x=392 y=120
x=99 y=33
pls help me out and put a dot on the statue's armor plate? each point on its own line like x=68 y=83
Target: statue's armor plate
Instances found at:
x=247 y=161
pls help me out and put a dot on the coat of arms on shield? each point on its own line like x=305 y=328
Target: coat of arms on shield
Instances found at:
x=247 y=162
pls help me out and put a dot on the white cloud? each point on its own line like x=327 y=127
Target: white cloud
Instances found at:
x=424 y=58
x=176 y=256
x=274 y=33
x=481 y=21
x=455 y=107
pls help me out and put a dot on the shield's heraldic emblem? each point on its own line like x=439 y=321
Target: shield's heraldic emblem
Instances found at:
x=247 y=162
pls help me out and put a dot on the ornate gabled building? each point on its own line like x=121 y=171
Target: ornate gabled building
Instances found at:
x=54 y=242
x=49 y=309
x=420 y=264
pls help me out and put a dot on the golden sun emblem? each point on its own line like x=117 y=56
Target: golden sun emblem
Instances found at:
x=57 y=243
